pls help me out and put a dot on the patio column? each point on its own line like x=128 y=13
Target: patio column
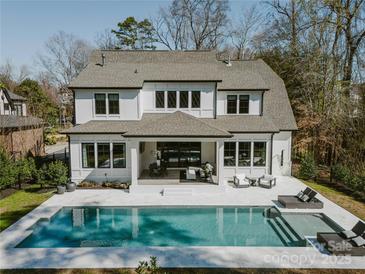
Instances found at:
x=134 y=162
x=220 y=163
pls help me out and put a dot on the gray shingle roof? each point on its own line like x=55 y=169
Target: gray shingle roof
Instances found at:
x=130 y=69
x=175 y=125
x=13 y=121
x=178 y=124
x=243 y=123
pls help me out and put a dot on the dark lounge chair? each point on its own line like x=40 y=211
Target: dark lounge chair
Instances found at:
x=348 y=242
x=304 y=199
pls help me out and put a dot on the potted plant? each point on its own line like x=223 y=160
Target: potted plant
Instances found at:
x=70 y=186
x=61 y=189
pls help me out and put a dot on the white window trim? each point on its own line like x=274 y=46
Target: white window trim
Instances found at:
x=238 y=104
x=107 y=104
x=190 y=98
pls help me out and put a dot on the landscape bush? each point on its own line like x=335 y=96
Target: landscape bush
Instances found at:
x=308 y=168
x=354 y=180
x=55 y=173
x=8 y=173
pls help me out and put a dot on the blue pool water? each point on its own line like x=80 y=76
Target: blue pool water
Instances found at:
x=205 y=226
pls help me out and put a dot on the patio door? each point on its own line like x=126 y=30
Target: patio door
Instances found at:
x=180 y=154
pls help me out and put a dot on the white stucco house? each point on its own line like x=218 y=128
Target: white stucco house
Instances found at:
x=179 y=108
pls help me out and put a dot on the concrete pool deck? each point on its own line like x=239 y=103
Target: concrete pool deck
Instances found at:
x=118 y=257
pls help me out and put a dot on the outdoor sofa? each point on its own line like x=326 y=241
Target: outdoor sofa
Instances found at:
x=349 y=242
x=304 y=200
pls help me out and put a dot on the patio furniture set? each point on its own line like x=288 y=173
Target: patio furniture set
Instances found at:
x=241 y=180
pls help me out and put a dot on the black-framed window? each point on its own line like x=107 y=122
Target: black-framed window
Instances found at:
x=184 y=99
x=103 y=155
x=119 y=156
x=231 y=104
x=113 y=101
x=259 y=154
x=171 y=99
x=229 y=154
x=100 y=103
x=244 y=154
x=195 y=99
x=88 y=155
x=160 y=99
x=244 y=104
x=6 y=107
x=180 y=154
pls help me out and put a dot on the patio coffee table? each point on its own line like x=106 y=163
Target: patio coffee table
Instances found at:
x=253 y=180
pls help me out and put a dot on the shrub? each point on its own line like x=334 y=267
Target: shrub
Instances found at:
x=150 y=267
x=340 y=172
x=8 y=172
x=26 y=170
x=55 y=173
x=308 y=168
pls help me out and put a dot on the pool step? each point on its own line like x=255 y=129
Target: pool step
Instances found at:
x=172 y=191
x=284 y=231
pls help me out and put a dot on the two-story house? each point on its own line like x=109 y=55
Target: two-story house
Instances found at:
x=133 y=108
x=20 y=134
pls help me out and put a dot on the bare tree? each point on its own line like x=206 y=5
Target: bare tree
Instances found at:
x=11 y=77
x=192 y=24
x=243 y=31
x=106 y=40
x=63 y=58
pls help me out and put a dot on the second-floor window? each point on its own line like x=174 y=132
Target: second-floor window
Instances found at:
x=195 y=99
x=177 y=99
x=6 y=107
x=160 y=99
x=100 y=103
x=238 y=104
x=171 y=99
x=102 y=100
x=113 y=99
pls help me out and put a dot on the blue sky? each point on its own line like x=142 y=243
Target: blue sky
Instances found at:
x=26 y=25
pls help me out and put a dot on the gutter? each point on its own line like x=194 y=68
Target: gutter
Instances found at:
x=271 y=152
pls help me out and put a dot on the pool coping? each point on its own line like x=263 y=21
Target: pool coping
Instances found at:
x=217 y=257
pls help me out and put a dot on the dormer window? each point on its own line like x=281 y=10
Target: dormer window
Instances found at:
x=238 y=104
x=160 y=99
x=195 y=99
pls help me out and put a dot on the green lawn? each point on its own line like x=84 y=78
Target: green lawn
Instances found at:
x=347 y=202
x=20 y=203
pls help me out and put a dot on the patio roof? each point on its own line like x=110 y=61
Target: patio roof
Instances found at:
x=177 y=124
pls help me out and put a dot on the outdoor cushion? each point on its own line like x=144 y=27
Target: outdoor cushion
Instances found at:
x=347 y=234
x=299 y=195
x=241 y=176
x=358 y=241
x=304 y=198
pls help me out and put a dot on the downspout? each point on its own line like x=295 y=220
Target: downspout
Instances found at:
x=69 y=155
x=271 y=152
x=262 y=104
x=215 y=101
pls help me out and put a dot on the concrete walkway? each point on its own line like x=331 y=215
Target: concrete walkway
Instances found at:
x=110 y=257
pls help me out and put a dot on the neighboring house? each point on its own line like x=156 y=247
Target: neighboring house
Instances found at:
x=20 y=134
x=185 y=107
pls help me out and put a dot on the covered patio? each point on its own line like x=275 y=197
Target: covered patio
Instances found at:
x=163 y=151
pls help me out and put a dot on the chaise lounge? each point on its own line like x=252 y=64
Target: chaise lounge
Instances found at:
x=304 y=200
x=350 y=242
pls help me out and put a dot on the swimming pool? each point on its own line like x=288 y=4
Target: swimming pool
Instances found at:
x=192 y=226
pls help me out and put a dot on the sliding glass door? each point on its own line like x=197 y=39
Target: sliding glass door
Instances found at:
x=184 y=154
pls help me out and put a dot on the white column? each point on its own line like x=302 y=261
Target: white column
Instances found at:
x=134 y=163
x=220 y=163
